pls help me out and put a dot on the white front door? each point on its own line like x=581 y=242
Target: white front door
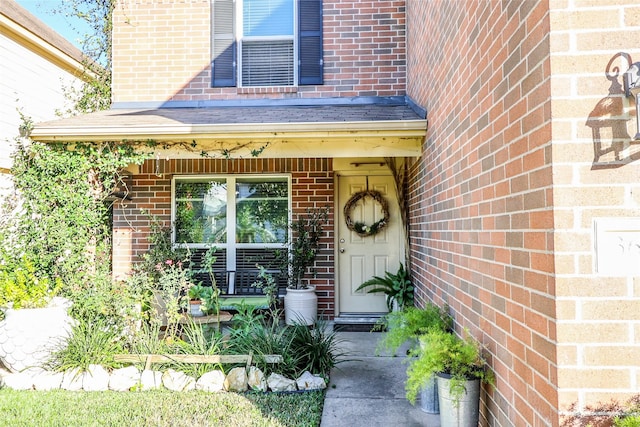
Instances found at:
x=360 y=258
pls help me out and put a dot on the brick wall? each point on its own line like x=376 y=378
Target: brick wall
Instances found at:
x=524 y=203
x=311 y=187
x=481 y=193
x=595 y=176
x=162 y=52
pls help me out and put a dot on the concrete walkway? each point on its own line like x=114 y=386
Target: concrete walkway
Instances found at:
x=368 y=390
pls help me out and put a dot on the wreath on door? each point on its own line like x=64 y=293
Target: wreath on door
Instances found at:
x=360 y=228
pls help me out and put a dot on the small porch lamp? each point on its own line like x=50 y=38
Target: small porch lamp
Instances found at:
x=631 y=79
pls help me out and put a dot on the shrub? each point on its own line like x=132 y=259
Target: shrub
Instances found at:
x=627 y=421
x=117 y=304
x=21 y=286
x=60 y=216
x=161 y=250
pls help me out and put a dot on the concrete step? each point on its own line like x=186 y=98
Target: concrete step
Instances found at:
x=357 y=323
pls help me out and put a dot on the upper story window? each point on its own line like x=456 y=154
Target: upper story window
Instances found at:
x=266 y=42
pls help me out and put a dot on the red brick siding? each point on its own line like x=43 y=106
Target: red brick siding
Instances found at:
x=480 y=195
x=312 y=187
x=161 y=52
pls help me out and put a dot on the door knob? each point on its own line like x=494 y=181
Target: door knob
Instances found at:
x=341 y=250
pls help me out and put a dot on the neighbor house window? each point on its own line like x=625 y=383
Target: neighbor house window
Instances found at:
x=266 y=42
x=244 y=217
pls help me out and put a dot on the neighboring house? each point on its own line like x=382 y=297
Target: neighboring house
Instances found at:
x=36 y=65
x=523 y=194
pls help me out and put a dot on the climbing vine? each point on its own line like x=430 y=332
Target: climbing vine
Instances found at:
x=59 y=216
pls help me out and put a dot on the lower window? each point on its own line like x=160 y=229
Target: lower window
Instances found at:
x=245 y=217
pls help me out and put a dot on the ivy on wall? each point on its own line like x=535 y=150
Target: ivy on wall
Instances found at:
x=59 y=216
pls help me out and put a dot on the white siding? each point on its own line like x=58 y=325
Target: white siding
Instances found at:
x=30 y=83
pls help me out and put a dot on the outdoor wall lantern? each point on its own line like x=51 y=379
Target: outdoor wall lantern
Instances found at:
x=631 y=80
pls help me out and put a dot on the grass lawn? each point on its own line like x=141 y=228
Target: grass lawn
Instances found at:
x=159 y=408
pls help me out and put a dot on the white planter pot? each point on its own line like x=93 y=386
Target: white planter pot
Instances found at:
x=29 y=336
x=195 y=308
x=462 y=411
x=301 y=306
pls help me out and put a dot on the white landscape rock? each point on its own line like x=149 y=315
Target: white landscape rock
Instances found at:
x=236 y=380
x=3 y=373
x=18 y=381
x=279 y=382
x=308 y=381
x=124 y=379
x=47 y=381
x=178 y=381
x=95 y=378
x=256 y=379
x=23 y=380
x=150 y=380
x=212 y=381
x=72 y=380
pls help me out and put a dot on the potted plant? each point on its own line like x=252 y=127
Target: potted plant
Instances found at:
x=301 y=301
x=412 y=322
x=459 y=367
x=197 y=294
x=169 y=293
x=36 y=323
x=397 y=287
x=408 y=325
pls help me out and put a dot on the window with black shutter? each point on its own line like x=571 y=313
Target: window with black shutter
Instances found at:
x=266 y=42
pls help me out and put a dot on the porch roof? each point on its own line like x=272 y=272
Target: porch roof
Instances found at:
x=284 y=130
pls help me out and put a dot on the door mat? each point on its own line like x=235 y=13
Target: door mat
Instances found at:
x=356 y=327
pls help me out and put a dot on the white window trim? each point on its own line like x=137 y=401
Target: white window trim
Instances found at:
x=240 y=37
x=231 y=213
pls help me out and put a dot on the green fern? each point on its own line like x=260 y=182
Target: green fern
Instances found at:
x=397 y=287
x=444 y=352
x=411 y=322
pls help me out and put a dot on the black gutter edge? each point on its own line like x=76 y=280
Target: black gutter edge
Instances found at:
x=418 y=109
x=302 y=102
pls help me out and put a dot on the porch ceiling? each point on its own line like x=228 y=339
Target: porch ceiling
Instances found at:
x=285 y=131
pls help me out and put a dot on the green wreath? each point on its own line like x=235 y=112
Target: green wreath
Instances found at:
x=360 y=228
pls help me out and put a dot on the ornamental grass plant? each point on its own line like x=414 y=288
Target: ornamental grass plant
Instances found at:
x=316 y=347
x=90 y=343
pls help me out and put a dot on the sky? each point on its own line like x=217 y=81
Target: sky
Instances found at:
x=62 y=25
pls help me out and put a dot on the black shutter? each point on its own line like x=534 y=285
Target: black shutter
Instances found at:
x=223 y=65
x=310 y=43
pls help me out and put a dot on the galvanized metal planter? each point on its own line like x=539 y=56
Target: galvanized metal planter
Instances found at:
x=462 y=410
